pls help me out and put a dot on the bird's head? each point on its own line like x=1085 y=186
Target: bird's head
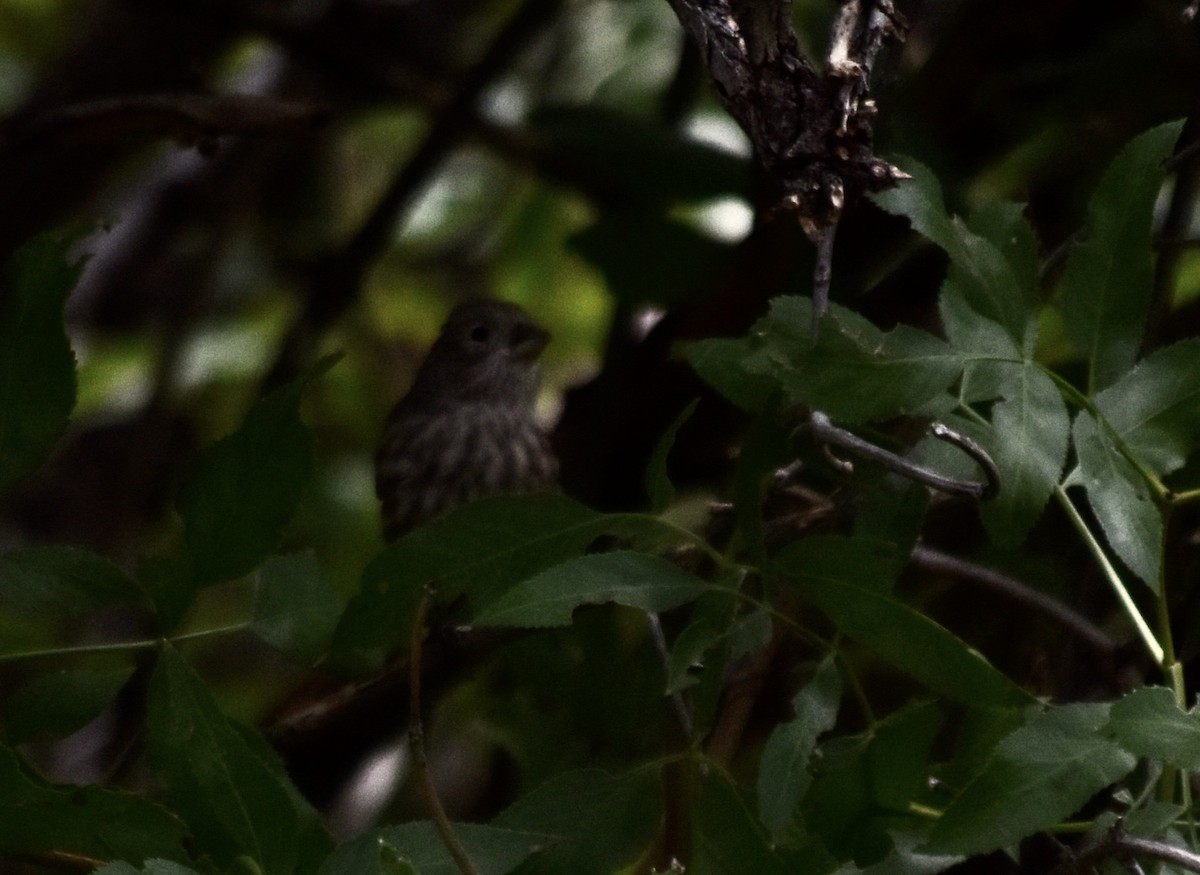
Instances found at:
x=487 y=351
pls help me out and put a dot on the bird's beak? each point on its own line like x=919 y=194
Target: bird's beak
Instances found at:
x=528 y=341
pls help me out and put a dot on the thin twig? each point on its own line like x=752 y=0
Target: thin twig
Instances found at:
x=189 y=118
x=1117 y=844
x=825 y=431
x=416 y=741
x=682 y=713
x=1088 y=632
x=1114 y=579
x=122 y=646
x=822 y=273
x=978 y=454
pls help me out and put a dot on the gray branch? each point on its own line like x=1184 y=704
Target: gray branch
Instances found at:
x=812 y=132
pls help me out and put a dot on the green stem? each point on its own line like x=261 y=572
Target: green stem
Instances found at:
x=1185 y=497
x=1114 y=579
x=122 y=646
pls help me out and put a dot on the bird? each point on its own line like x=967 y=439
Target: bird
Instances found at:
x=467 y=428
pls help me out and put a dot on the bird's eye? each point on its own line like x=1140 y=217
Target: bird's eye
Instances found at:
x=480 y=334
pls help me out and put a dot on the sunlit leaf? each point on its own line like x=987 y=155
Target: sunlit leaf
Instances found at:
x=1108 y=279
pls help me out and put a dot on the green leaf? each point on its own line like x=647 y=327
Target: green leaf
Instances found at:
x=1149 y=723
x=602 y=822
x=1040 y=774
x=39 y=818
x=766 y=447
x=1003 y=224
x=1155 y=407
x=69 y=581
x=687 y=653
x=295 y=607
x=55 y=705
x=627 y=157
x=845 y=583
x=986 y=346
x=1028 y=442
x=235 y=800
x=855 y=372
x=658 y=483
x=475 y=553
x=713 y=634
x=726 y=837
x=1108 y=279
x=862 y=783
x=486 y=547
x=37 y=367
x=722 y=363
x=898 y=756
x=890 y=514
x=637 y=580
x=783 y=776
x=647 y=258
x=152 y=867
x=1120 y=499
x=45 y=589
x=245 y=489
x=491 y=849
x=905 y=859
x=993 y=285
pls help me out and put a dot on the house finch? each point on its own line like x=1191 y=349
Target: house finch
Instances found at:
x=466 y=428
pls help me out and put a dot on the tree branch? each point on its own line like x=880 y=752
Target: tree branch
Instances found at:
x=337 y=277
x=198 y=119
x=1080 y=626
x=812 y=133
x=416 y=741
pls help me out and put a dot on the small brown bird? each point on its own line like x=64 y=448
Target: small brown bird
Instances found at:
x=466 y=428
